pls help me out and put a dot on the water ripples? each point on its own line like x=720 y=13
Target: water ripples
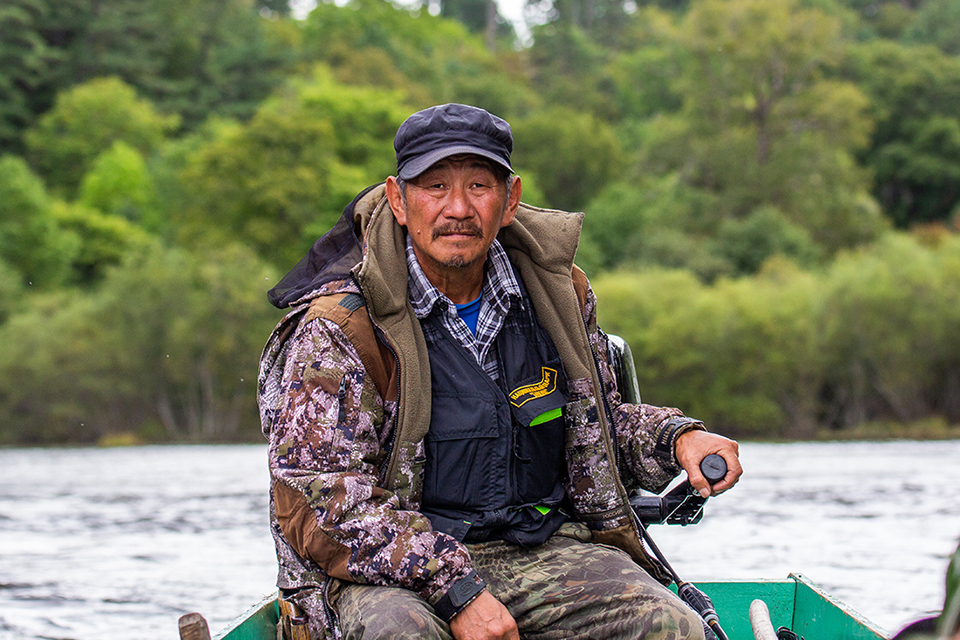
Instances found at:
x=96 y=542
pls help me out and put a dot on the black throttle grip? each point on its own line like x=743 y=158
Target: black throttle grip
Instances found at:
x=713 y=468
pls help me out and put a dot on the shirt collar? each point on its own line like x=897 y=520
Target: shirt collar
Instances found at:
x=499 y=282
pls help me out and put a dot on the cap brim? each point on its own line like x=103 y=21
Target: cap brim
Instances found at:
x=418 y=165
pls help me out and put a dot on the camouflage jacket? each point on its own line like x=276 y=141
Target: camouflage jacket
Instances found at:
x=344 y=394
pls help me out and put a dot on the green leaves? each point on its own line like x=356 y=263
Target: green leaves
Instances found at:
x=25 y=61
x=572 y=154
x=279 y=181
x=124 y=357
x=31 y=243
x=789 y=352
x=915 y=150
x=755 y=148
x=87 y=121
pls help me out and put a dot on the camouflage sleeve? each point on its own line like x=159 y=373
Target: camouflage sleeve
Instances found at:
x=327 y=443
x=635 y=424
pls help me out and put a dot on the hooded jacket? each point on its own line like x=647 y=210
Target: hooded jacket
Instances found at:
x=344 y=394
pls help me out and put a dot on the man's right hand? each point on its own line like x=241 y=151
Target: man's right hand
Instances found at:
x=484 y=619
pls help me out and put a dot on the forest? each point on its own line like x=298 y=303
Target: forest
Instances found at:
x=771 y=192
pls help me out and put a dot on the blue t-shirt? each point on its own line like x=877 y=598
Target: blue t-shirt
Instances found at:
x=470 y=313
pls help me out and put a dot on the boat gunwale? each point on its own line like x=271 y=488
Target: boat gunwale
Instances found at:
x=800 y=591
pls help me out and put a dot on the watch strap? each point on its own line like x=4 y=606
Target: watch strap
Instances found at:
x=665 y=435
x=459 y=595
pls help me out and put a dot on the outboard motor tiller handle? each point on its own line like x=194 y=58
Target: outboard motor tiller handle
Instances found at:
x=682 y=505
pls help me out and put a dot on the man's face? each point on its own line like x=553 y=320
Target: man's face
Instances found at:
x=453 y=212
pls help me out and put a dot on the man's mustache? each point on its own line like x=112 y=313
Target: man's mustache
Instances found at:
x=458 y=228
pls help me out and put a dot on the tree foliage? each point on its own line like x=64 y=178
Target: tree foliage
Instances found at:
x=431 y=59
x=282 y=179
x=862 y=341
x=573 y=155
x=192 y=57
x=936 y=22
x=737 y=160
x=85 y=122
x=759 y=157
x=915 y=149
x=31 y=243
x=25 y=62
x=126 y=358
x=765 y=127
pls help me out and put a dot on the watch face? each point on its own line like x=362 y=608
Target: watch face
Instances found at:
x=463 y=590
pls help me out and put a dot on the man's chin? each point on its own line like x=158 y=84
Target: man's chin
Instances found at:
x=456 y=262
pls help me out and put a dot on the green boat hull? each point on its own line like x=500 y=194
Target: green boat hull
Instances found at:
x=795 y=602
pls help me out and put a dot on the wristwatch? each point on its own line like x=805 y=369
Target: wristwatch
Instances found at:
x=459 y=595
x=665 y=435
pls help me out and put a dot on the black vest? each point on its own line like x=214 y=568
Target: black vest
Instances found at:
x=489 y=473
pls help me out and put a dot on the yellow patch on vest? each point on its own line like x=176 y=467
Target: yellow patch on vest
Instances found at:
x=546 y=386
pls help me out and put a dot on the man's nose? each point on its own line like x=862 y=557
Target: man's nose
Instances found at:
x=458 y=204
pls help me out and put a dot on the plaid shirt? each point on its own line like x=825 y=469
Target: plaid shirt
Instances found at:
x=500 y=290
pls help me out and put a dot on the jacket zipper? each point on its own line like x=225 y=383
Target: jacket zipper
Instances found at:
x=333 y=623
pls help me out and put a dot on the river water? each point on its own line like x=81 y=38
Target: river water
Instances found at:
x=101 y=544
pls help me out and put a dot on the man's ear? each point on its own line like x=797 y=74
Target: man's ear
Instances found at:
x=513 y=203
x=395 y=198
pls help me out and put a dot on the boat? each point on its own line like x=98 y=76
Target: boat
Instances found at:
x=795 y=603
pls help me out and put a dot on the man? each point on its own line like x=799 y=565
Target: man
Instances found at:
x=449 y=453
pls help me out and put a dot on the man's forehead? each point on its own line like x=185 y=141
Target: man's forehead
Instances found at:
x=462 y=160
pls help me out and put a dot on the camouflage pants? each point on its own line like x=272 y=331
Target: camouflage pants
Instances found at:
x=563 y=589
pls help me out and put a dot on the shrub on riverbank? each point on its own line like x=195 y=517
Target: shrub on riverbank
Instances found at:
x=788 y=353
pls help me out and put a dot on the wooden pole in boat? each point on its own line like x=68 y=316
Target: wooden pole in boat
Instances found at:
x=194 y=627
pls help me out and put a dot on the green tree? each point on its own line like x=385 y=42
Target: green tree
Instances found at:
x=891 y=311
x=601 y=20
x=86 y=121
x=101 y=239
x=937 y=22
x=431 y=59
x=11 y=291
x=573 y=155
x=645 y=73
x=119 y=183
x=914 y=151
x=24 y=65
x=31 y=242
x=275 y=7
x=166 y=347
x=480 y=16
x=570 y=69
x=223 y=58
x=192 y=57
x=282 y=179
x=762 y=125
x=655 y=221
x=743 y=355
x=747 y=244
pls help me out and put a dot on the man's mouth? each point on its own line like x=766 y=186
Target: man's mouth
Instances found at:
x=458 y=230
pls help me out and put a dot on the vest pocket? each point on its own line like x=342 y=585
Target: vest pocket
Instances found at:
x=462 y=457
x=538 y=452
